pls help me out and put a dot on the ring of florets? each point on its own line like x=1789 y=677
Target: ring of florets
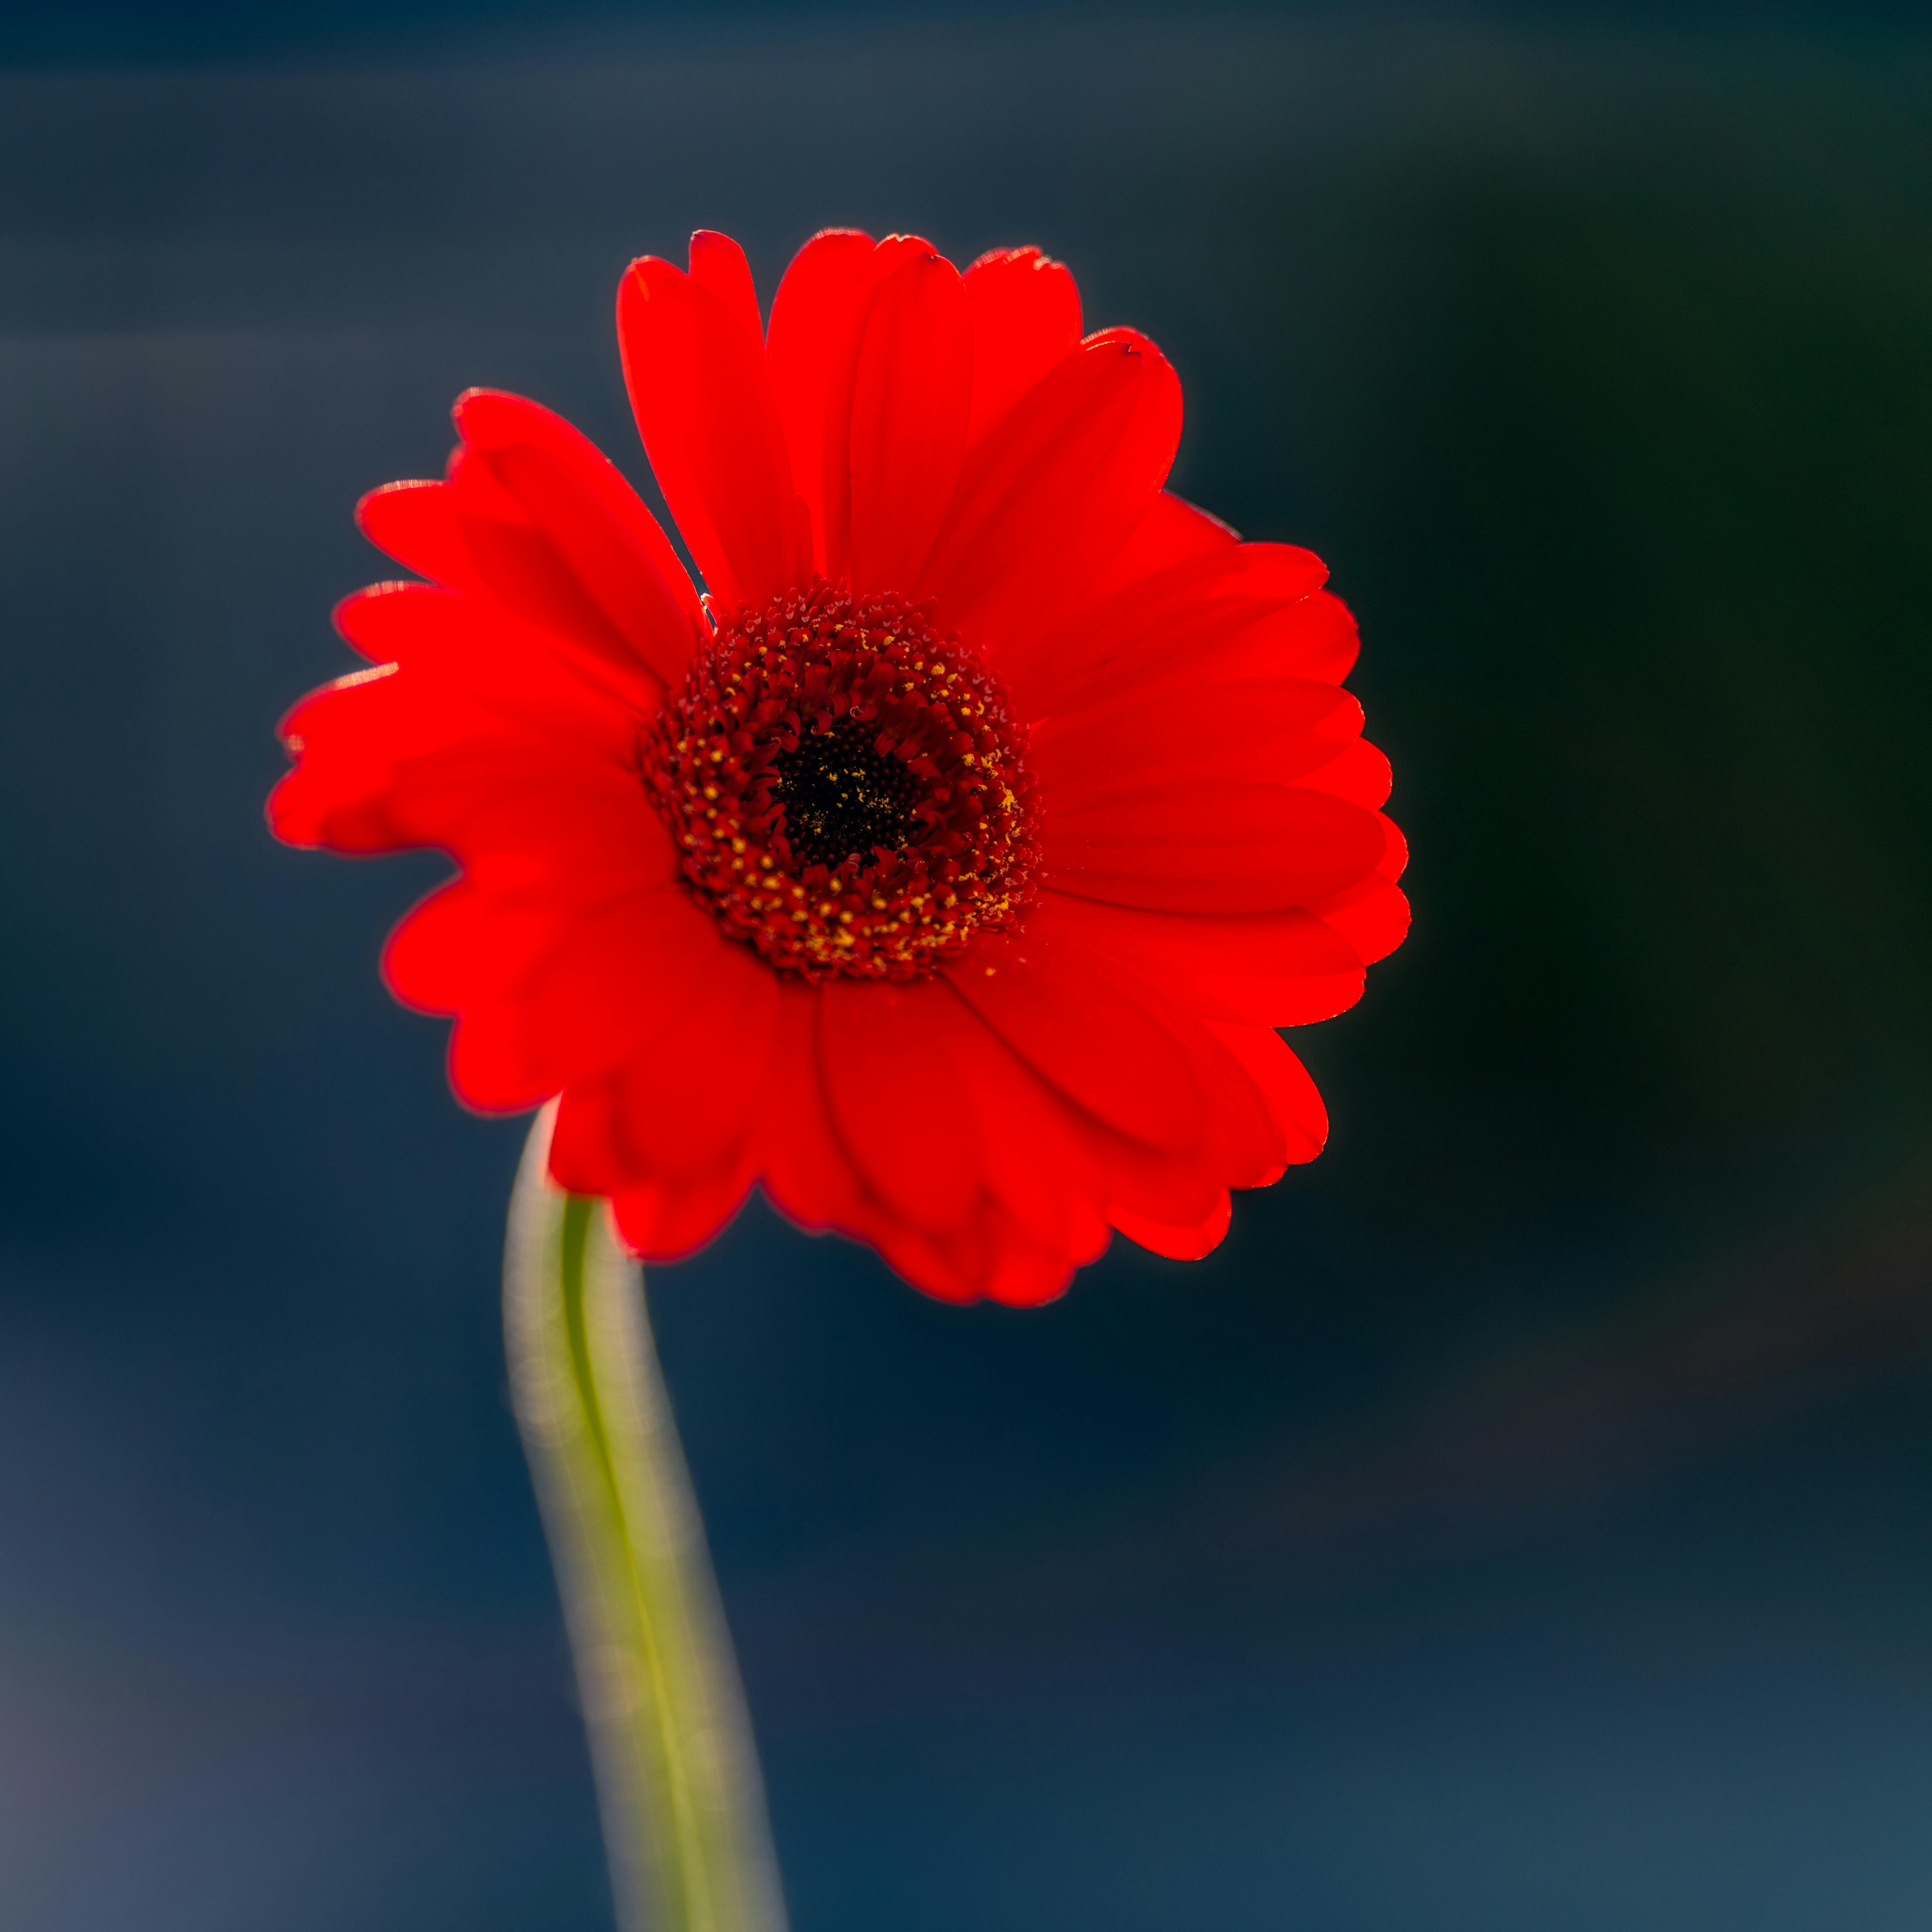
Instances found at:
x=848 y=788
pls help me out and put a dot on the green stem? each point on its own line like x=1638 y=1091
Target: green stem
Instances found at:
x=677 y=1777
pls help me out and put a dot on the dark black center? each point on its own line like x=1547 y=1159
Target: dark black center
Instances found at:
x=842 y=797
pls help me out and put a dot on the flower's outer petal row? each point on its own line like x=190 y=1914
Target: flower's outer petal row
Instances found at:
x=1288 y=968
x=1048 y=495
x=1025 y=311
x=577 y=995
x=816 y=315
x=1250 y=1109
x=525 y=677
x=1218 y=846
x=1107 y=1041
x=1237 y=609
x=1172 y=530
x=478 y=735
x=718 y=264
x=705 y=408
x=477 y=654
x=867 y=338
x=673 y=1135
x=416 y=524
x=523 y=575
x=1188 y=1241
x=805 y=1170
x=467 y=712
x=905 y=431
x=896 y=1101
x=534 y=516
x=1040 y=1168
x=832 y=313
x=665 y=1216
x=598 y=533
x=1138 y=1084
x=1358 y=773
x=1018 y=1207
x=1372 y=916
x=1284 y=1083
x=694 y=1101
x=670 y=1219
x=1263 y=730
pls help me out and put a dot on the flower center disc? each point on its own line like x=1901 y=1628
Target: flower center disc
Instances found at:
x=847 y=788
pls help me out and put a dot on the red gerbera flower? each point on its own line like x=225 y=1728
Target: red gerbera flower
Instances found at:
x=947 y=867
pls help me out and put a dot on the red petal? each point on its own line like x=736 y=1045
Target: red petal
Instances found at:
x=693 y=1096
x=592 y=521
x=1172 y=529
x=522 y=573
x=810 y=1178
x=1275 y=731
x=611 y=984
x=456 y=945
x=1026 y=318
x=910 y=387
x=667 y=1219
x=1395 y=855
x=621 y=978
x=1213 y=846
x=1373 y=917
x=704 y=407
x=1358 y=772
x=485 y=659
x=589 y=1151
x=1123 y=1041
x=816 y=316
x=1168 y=1189
x=949 y=1267
x=416 y=524
x=1279 y=968
x=672 y=1135
x=408 y=755
x=1027 y=1277
x=1039 y=1162
x=718 y=264
x=1051 y=492
x=896 y=1099
x=1313 y=637
x=596 y=836
x=1100 y=1048
x=1283 y=1083
x=807 y=1174
x=1187 y=1243
x=826 y=339
x=1232 y=610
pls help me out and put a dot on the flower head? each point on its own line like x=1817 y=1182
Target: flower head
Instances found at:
x=947 y=867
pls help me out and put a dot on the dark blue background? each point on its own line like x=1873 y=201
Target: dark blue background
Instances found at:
x=1522 y=1524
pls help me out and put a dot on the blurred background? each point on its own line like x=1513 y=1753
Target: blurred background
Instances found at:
x=1524 y=1523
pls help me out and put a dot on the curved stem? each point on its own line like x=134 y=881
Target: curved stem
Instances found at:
x=677 y=1778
